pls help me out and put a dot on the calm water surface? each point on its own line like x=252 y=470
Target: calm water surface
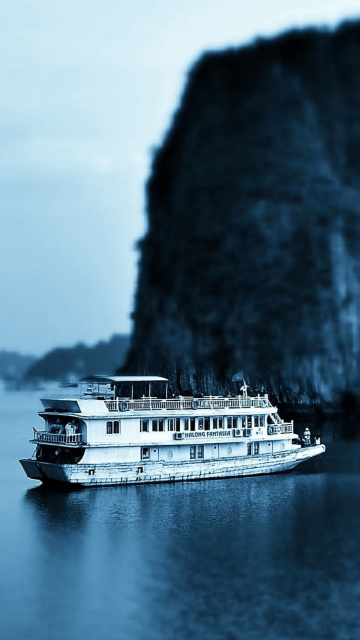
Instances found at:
x=270 y=558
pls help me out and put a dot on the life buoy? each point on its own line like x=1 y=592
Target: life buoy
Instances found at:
x=124 y=406
x=270 y=430
x=195 y=404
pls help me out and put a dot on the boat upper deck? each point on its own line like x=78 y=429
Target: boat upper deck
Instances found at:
x=135 y=394
x=179 y=417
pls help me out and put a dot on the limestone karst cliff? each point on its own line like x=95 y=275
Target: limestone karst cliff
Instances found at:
x=252 y=256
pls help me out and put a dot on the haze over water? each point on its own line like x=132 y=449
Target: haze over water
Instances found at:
x=270 y=558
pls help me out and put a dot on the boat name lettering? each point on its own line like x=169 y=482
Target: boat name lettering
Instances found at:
x=207 y=434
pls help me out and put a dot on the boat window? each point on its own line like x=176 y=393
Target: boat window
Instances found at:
x=232 y=422
x=256 y=448
x=186 y=424
x=158 y=425
x=177 y=424
x=249 y=421
x=200 y=451
x=145 y=453
x=249 y=449
x=171 y=424
x=200 y=423
x=262 y=421
x=144 y=425
x=256 y=421
x=113 y=427
x=192 y=452
x=218 y=423
x=192 y=424
x=207 y=424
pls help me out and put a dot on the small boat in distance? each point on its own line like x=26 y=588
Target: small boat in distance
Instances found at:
x=116 y=432
x=69 y=382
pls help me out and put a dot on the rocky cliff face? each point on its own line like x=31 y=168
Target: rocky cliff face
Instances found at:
x=252 y=257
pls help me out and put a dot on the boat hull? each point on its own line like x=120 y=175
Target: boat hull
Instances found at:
x=107 y=474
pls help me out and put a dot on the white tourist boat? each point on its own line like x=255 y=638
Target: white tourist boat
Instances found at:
x=117 y=433
x=68 y=382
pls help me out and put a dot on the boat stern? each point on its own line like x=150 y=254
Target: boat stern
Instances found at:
x=44 y=471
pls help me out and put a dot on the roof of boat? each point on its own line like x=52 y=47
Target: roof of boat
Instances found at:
x=119 y=379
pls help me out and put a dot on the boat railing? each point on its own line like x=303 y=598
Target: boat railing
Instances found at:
x=287 y=427
x=281 y=427
x=57 y=438
x=184 y=402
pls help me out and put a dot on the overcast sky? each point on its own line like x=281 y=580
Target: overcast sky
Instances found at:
x=88 y=89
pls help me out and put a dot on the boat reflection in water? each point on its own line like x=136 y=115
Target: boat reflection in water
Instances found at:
x=224 y=554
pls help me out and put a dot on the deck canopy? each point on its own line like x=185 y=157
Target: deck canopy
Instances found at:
x=124 y=386
x=120 y=379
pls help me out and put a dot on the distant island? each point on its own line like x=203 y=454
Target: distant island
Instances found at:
x=14 y=364
x=80 y=360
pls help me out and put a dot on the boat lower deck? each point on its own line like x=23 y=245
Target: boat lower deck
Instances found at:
x=153 y=472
